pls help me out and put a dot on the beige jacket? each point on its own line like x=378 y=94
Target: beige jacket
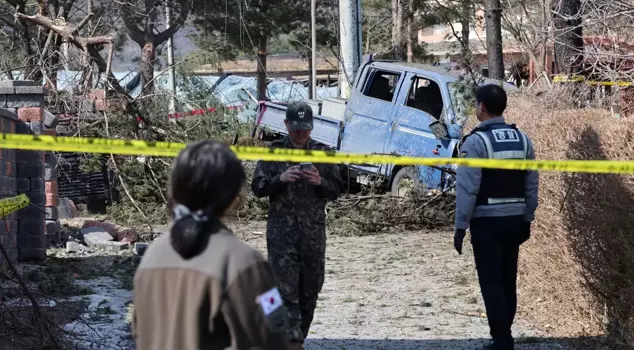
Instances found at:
x=224 y=298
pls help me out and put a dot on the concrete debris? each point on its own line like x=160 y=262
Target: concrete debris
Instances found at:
x=128 y=236
x=112 y=246
x=119 y=233
x=140 y=248
x=106 y=226
x=96 y=235
x=73 y=247
x=66 y=208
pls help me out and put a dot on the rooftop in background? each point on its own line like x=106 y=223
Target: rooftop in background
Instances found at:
x=287 y=65
x=477 y=46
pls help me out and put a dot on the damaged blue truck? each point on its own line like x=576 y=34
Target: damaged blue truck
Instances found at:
x=394 y=108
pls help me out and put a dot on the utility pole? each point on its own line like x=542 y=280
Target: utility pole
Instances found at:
x=350 y=41
x=170 y=62
x=313 y=49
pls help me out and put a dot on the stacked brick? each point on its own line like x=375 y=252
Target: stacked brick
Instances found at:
x=50 y=183
x=23 y=102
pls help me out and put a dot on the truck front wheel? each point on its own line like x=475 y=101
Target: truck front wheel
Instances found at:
x=405 y=180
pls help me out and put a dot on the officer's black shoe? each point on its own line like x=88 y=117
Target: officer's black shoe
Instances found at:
x=492 y=345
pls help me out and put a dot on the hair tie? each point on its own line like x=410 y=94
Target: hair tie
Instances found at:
x=181 y=211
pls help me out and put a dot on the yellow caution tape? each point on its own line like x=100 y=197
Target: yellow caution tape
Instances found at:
x=11 y=204
x=565 y=79
x=166 y=149
x=576 y=79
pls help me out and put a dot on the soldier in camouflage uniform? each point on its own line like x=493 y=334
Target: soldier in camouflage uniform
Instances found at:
x=296 y=228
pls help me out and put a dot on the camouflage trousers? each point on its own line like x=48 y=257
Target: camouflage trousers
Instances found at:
x=297 y=257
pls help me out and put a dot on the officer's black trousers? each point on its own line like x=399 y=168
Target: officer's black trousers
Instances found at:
x=496 y=242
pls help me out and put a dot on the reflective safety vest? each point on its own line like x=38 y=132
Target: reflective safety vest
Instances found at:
x=501 y=186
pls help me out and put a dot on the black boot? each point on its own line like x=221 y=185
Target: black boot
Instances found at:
x=492 y=345
x=489 y=346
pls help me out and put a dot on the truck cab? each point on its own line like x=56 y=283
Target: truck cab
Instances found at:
x=394 y=108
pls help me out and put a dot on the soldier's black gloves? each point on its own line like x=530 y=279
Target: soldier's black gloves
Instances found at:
x=458 y=238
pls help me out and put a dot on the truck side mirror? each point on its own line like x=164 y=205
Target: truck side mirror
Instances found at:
x=439 y=130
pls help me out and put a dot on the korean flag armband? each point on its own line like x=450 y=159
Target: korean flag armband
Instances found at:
x=272 y=308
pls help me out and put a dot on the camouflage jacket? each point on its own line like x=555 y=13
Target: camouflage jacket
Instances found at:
x=298 y=200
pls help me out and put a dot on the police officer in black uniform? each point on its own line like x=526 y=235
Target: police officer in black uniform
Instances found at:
x=497 y=206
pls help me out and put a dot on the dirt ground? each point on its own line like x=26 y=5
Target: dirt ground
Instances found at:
x=397 y=291
x=400 y=291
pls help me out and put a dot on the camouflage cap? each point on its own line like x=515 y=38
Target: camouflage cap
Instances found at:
x=299 y=116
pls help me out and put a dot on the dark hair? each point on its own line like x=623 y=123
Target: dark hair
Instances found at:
x=493 y=97
x=206 y=179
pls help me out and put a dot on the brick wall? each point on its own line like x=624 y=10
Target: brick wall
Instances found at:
x=50 y=182
x=8 y=186
x=25 y=233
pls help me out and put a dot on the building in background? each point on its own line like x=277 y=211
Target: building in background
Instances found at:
x=444 y=48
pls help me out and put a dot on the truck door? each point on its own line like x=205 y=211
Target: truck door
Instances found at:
x=369 y=112
x=420 y=103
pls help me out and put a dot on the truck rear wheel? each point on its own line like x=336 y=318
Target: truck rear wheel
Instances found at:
x=405 y=180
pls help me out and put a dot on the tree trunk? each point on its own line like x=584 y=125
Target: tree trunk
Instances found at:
x=148 y=56
x=410 y=34
x=32 y=70
x=465 y=22
x=395 y=29
x=261 y=73
x=493 y=15
x=568 y=35
x=399 y=30
x=55 y=60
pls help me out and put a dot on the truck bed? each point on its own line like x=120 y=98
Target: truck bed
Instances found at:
x=326 y=130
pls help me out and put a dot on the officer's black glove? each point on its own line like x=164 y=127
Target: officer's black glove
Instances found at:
x=458 y=238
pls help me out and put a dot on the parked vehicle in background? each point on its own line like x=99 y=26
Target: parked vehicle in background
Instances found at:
x=395 y=108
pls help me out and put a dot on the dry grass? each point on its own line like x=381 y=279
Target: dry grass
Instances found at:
x=576 y=271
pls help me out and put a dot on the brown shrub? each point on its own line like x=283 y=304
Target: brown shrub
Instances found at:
x=577 y=271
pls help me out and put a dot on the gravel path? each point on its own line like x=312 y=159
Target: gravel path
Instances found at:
x=400 y=291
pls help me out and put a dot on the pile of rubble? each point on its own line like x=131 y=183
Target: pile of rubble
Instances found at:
x=86 y=236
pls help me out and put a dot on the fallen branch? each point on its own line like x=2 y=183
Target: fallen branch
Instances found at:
x=370 y=197
x=28 y=293
x=86 y=44
x=468 y=314
x=123 y=184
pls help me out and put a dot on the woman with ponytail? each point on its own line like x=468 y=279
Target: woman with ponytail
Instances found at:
x=199 y=286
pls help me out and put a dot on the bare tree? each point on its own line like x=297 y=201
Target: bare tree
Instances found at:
x=59 y=30
x=527 y=22
x=142 y=20
x=377 y=27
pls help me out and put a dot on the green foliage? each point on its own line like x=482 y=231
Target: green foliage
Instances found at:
x=327 y=29
x=233 y=28
x=91 y=163
x=282 y=43
x=462 y=94
x=377 y=26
